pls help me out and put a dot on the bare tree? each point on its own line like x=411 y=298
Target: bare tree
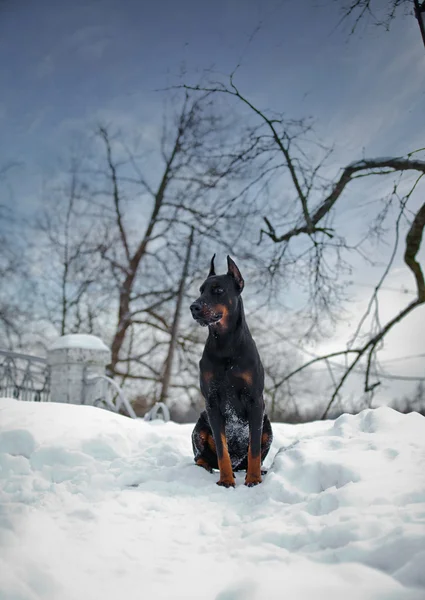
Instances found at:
x=381 y=14
x=70 y=239
x=148 y=209
x=12 y=310
x=16 y=289
x=413 y=403
x=368 y=349
x=175 y=325
x=311 y=208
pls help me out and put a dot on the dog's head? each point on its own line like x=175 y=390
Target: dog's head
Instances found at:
x=219 y=297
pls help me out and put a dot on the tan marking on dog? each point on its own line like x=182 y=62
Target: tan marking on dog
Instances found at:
x=211 y=443
x=246 y=376
x=221 y=308
x=203 y=463
x=203 y=435
x=264 y=439
x=253 y=472
x=226 y=472
x=207 y=376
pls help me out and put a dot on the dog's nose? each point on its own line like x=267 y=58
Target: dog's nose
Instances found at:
x=195 y=309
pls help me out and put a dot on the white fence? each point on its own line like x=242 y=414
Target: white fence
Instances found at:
x=24 y=376
x=74 y=373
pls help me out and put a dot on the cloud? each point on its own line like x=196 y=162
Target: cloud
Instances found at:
x=402 y=341
x=378 y=100
x=45 y=67
x=89 y=42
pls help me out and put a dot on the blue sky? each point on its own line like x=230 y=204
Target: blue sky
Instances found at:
x=62 y=64
x=65 y=65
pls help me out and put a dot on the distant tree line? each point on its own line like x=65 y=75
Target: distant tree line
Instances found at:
x=126 y=232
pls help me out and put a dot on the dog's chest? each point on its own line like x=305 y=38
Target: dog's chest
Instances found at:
x=229 y=389
x=237 y=434
x=231 y=377
x=235 y=423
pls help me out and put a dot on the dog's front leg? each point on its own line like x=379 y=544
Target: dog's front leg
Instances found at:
x=255 y=417
x=227 y=479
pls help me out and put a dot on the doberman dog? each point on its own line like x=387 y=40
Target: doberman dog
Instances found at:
x=234 y=432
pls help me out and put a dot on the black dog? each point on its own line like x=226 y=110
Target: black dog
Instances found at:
x=234 y=433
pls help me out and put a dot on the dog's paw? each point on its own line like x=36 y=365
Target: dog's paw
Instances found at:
x=226 y=483
x=251 y=480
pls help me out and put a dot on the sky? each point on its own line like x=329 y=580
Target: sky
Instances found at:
x=64 y=66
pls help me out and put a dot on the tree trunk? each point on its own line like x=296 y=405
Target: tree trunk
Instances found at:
x=124 y=316
x=419 y=11
x=175 y=326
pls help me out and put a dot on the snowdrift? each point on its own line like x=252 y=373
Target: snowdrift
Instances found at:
x=98 y=506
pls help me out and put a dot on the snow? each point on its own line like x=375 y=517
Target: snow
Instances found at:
x=96 y=505
x=79 y=340
x=379 y=160
x=373 y=161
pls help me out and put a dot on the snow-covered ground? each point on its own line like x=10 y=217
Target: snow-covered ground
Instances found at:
x=95 y=506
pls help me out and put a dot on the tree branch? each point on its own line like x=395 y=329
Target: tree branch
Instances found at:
x=115 y=190
x=394 y=164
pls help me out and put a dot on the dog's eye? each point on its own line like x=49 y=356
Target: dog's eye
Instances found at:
x=217 y=290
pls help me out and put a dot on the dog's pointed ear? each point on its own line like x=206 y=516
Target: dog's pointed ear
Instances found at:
x=235 y=273
x=212 y=270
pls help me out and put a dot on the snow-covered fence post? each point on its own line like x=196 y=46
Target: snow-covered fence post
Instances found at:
x=71 y=358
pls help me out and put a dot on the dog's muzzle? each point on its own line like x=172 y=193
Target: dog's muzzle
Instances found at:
x=203 y=314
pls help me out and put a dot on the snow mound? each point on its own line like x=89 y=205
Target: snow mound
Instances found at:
x=96 y=505
x=79 y=340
